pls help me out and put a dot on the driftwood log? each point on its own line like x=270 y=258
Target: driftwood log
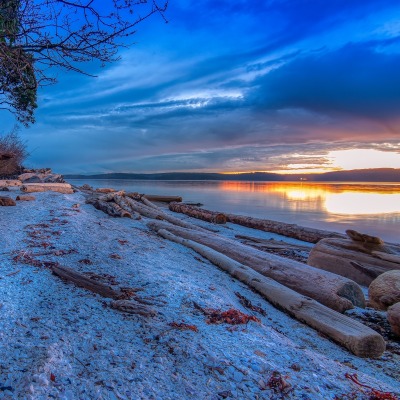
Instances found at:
x=291 y=230
x=121 y=201
x=83 y=281
x=196 y=212
x=358 y=260
x=9 y=182
x=163 y=199
x=119 y=303
x=109 y=207
x=356 y=337
x=332 y=290
x=132 y=307
x=26 y=197
x=272 y=243
x=7 y=201
x=149 y=203
x=160 y=215
x=65 y=188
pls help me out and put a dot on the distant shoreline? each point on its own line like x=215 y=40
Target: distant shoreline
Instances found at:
x=380 y=175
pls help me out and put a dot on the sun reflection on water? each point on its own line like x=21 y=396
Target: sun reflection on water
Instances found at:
x=333 y=198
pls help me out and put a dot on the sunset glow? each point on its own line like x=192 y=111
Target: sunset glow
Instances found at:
x=364 y=158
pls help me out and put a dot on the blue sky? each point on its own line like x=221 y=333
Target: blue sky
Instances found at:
x=232 y=86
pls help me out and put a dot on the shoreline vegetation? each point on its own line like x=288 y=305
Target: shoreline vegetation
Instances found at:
x=363 y=175
x=122 y=295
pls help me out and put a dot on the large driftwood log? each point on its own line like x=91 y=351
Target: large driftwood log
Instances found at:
x=291 y=230
x=65 y=188
x=160 y=215
x=9 y=182
x=273 y=244
x=149 y=203
x=356 y=260
x=332 y=290
x=83 y=281
x=196 y=212
x=164 y=199
x=356 y=337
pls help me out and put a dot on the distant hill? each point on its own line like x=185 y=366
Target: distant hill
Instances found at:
x=357 y=175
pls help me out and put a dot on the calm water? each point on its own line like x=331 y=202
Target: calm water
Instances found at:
x=370 y=208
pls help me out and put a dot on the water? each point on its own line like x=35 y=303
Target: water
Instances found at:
x=370 y=208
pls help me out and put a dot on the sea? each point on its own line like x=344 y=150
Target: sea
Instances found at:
x=372 y=208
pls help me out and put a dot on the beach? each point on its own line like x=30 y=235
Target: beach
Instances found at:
x=64 y=342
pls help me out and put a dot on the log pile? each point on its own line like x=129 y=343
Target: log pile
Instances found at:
x=356 y=337
x=314 y=296
x=332 y=290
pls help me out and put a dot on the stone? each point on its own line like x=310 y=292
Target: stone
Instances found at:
x=393 y=316
x=5 y=189
x=25 y=198
x=7 y=201
x=384 y=291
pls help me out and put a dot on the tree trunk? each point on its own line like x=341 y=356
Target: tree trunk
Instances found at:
x=290 y=230
x=356 y=337
x=83 y=281
x=65 y=188
x=332 y=290
x=356 y=260
x=199 y=213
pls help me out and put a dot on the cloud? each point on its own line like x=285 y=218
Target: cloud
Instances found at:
x=355 y=80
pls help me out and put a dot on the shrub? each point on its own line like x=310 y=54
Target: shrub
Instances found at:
x=12 y=153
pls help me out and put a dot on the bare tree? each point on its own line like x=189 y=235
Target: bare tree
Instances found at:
x=38 y=35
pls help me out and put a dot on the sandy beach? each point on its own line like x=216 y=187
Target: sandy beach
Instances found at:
x=63 y=342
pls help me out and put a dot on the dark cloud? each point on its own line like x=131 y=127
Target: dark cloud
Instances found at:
x=355 y=79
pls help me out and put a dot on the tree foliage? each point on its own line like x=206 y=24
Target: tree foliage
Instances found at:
x=38 y=35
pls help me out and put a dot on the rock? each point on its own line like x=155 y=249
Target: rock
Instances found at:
x=384 y=291
x=393 y=316
x=25 y=198
x=7 y=201
x=33 y=177
x=5 y=189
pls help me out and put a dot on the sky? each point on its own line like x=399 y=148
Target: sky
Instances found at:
x=233 y=86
